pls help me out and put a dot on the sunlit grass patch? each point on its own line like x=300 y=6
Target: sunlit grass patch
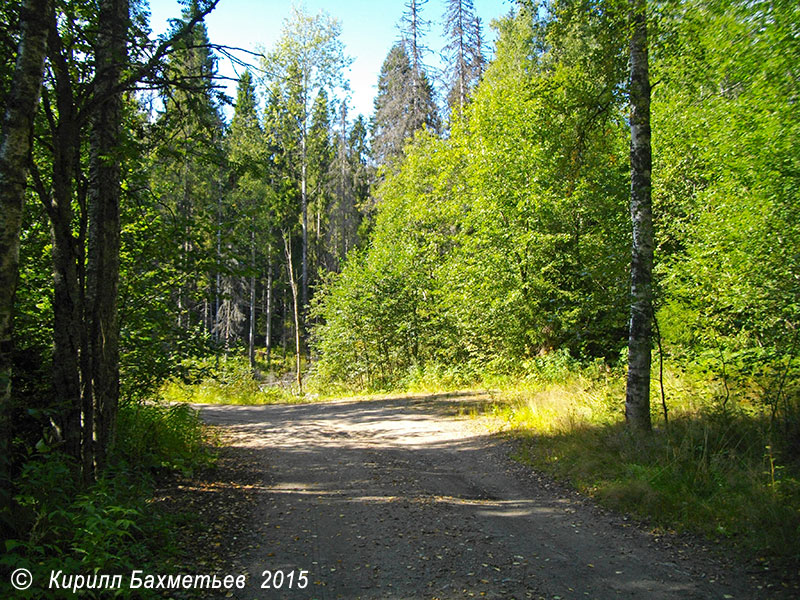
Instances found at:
x=710 y=470
x=211 y=391
x=230 y=380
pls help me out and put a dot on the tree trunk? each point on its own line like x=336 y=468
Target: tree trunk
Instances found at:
x=251 y=350
x=637 y=401
x=283 y=324
x=69 y=336
x=218 y=281
x=342 y=186
x=462 y=62
x=268 y=307
x=304 y=208
x=102 y=272
x=293 y=284
x=15 y=145
x=415 y=66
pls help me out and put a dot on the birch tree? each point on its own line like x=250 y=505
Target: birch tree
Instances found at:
x=309 y=50
x=637 y=396
x=15 y=145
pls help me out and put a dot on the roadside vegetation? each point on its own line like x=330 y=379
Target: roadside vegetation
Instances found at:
x=112 y=525
x=230 y=379
x=722 y=464
x=722 y=459
x=500 y=256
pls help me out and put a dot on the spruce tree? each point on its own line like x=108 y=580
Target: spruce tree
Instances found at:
x=463 y=52
x=245 y=153
x=185 y=173
x=404 y=103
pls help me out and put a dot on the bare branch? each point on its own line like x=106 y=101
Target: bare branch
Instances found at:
x=166 y=46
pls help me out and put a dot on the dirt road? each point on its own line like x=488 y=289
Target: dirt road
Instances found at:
x=399 y=499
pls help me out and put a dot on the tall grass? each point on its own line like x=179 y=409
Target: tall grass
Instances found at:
x=722 y=470
x=230 y=380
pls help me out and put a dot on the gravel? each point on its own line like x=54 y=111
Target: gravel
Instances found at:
x=400 y=498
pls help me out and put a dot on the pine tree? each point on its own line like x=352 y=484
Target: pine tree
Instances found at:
x=245 y=118
x=362 y=173
x=284 y=139
x=359 y=154
x=478 y=64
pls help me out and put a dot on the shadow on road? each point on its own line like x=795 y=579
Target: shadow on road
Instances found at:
x=394 y=498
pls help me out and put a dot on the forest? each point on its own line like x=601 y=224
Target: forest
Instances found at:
x=605 y=202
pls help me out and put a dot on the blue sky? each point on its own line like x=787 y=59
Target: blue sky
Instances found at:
x=369 y=28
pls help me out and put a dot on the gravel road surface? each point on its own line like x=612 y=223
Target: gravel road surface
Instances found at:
x=400 y=498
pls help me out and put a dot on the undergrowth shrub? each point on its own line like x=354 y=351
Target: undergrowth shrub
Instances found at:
x=228 y=380
x=162 y=435
x=435 y=377
x=108 y=527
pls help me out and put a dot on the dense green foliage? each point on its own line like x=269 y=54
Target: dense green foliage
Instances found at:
x=205 y=207
x=727 y=174
x=405 y=255
x=510 y=238
x=109 y=527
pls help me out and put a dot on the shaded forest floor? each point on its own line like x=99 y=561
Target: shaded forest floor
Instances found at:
x=395 y=498
x=212 y=508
